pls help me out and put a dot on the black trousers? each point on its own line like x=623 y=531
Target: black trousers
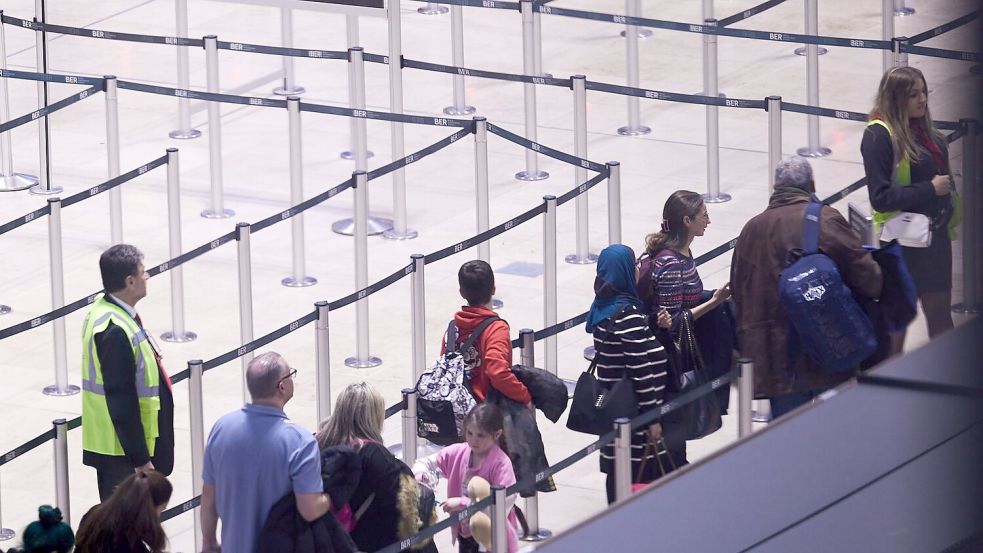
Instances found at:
x=467 y=545
x=110 y=473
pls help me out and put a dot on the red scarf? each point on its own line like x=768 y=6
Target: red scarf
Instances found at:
x=922 y=137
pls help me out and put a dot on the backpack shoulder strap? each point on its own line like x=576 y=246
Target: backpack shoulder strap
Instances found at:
x=450 y=340
x=810 y=228
x=469 y=343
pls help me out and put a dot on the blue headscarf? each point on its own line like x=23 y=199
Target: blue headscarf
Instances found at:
x=614 y=285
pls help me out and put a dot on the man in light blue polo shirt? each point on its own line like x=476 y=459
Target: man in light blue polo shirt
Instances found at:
x=254 y=457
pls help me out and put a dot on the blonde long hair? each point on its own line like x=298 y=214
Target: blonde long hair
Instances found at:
x=891 y=106
x=358 y=414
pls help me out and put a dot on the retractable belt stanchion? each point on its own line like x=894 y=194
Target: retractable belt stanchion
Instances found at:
x=5 y=533
x=614 y=202
x=61 y=387
x=900 y=56
x=322 y=377
x=532 y=172
x=713 y=195
x=582 y=255
x=400 y=229
x=971 y=221
x=409 y=426
x=362 y=358
x=481 y=192
x=298 y=279
x=418 y=312
x=622 y=459
x=9 y=180
x=432 y=8
x=244 y=257
x=60 y=446
x=177 y=333
x=112 y=150
x=745 y=394
x=217 y=210
x=634 y=126
x=500 y=510
x=887 y=32
x=901 y=9
x=351 y=34
x=197 y=416
x=289 y=87
x=549 y=280
x=44 y=185
x=527 y=345
x=537 y=41
x=706 y=10
x=184 y=130
x=356 y=75
x=813 y=149
x=633 y=8
x=811 y=13
x=460 y=104
x=774 y=106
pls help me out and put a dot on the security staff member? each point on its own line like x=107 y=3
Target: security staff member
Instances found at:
x=127 y=404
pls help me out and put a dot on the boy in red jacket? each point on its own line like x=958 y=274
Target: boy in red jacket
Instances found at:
x=494 y=366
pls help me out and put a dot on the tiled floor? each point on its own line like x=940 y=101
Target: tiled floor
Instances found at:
x=440 y=191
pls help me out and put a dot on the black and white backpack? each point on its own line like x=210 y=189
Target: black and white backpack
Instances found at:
x=444 y=395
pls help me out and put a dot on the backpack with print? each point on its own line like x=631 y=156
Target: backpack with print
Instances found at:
x=444 y=395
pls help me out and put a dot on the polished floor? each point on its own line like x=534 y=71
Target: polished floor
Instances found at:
x=440 y=191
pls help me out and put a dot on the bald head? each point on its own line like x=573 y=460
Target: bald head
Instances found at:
x=264 y=373
x=796 y=172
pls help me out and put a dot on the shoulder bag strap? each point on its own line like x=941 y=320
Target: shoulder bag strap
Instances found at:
x=810 y=228
x=607 y=334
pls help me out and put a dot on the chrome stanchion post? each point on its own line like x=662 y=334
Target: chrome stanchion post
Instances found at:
x=549 y=280
x=582 y=255
x=634 y=127
x=362 y=358
x=887 y=32
x=901 y=9
x=184 y=130
x=351 y=33
x=409 y=426
x=622 y=459
x=527 y=347
x=537 y=40
x=481 y=192
x=245 y=298
x=532 y=172
x=178 y=333
x=432 y=8
x=9 y=180
x=298 y=279
x=499 y=524
x=900 y=56
x=460 y=105
x=418 y=312
x=356 y=75
x=44 y=185
x=197 y=417
x=614 y=202
x=745 y=394
x=527 y=344
x=633 y=8
x=811 y=27
x=399 y=230
x=289 y=87
x=774 y=106
x=813 y=149
x=61 y=387
x=217 y=210
x=971 y=221
x=706 y=10
x=322 y=377
x=713 y=195
x=112 y=150
x=60 y=443
x=5 y=533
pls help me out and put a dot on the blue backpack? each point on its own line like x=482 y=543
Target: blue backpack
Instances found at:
x=828 y=324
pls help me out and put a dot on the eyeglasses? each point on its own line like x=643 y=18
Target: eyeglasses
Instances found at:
x=291 y=374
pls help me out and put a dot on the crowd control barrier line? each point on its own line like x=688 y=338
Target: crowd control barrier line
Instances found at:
x=52 y=78
x=493 y=4
x=282 y=51
x=944 y=28
x=471 y=72
x=750 y=12
x=546 y=150
x=940 y=53
x=41 y=112
x=96 y=33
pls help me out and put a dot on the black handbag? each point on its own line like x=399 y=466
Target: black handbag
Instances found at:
x=701 y=416
x=595 y=406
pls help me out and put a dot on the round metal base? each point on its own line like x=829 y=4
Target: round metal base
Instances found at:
x=284 y=91
x=356 y=363
x=179 y=338
x=37 y=189
x=964 y=309
x=497 y=304
x=4 y=309
x=819 y=152
x=760 y=417
x=184 y=134
x=570 y=385
x=634 y=131
x=347 y=154
x=436 y=9
x=526 y=175
x=538 y=536
x=589 y=353
x=718 y=199
x=391 y=234
x=376 y=226
x=575 y=259
x=6 y=534
x=904 y=12
x=53 y=390
x=304 y=282
x=212 y=214
x=17 y=181
x=802 y=51
x=454 y=110
x=424 y=448
x=642 y=33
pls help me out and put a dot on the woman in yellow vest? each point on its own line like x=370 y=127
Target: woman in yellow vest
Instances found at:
x=907 y=165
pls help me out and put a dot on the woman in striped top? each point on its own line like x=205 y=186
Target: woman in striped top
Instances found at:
x=624 y=345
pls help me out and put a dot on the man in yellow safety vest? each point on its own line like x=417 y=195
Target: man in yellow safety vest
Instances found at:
x=127 y=404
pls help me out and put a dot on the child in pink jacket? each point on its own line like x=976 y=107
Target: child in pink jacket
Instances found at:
x=483 y=454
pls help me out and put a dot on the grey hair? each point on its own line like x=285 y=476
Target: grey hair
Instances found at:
x=264 y=373
x=794 y=171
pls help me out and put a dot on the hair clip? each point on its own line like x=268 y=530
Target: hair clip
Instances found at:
x=665 y=225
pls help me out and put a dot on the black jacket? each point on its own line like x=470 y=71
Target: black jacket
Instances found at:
x=524 y=442
x=548 y=392
x=286 y=531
